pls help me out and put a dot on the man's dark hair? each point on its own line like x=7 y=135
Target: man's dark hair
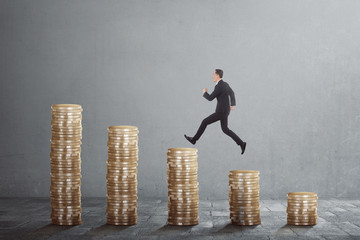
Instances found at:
x=219 y=72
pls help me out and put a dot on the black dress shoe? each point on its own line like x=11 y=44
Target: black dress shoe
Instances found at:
x=190 y=139
x=243 y=148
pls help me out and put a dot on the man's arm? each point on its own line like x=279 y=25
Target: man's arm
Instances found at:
x=232 y=97
x=213 y=95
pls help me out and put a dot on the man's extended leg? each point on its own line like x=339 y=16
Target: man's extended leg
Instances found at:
x=227 y=131
x=209 y=120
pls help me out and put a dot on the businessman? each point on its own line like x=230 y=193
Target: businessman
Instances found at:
x=222 y=92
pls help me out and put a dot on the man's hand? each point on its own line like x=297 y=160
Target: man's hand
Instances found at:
x=205 y=90
x=231 y=108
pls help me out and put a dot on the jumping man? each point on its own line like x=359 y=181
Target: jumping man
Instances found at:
x=221 y=92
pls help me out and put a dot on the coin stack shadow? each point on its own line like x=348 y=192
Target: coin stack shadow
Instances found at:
x=244 y=198
x=65 y=163
x=122 y=175
x=302 y=208
x=183 y=187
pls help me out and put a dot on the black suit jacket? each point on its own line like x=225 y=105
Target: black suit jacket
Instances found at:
x=222 y=92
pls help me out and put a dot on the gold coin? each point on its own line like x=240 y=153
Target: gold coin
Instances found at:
x=183 y=168
x=183 y=195
x=64 y=191
x=66 y=218
x=121 y=137
x=65 y=143
x=65 y=156
x=122 y=140
x=183 y=161
x=124 y=128
x=129 y=207
x=66 y=206
x=121 y=179
x=185 y=209
x=181 y=173
x=120 y=205
x=66 y=130
x=120 y=219
x=183 y=202
x=65 y=117
x=122 y=214
x=59 y=213
x=122 y=186
x=182 y=219
x=242 y=186
x=293 y=221
x=179 y=191
x=182 y=150
x=302 y=224
x=244 y=192
x=66 y=107
x=63 y=171
x=184 y=199
x=64 y=196
x=122 y=166
x=120 y=152
x=301 y=211
x=109 y=222
x=246 y=223
x=243 y=205
x=304 y=200
x=244 y=211
x=244 y=199
x=66 y=123
x=297 y=205
x=244 y=172
x=178 y=177
x=65 y=167
x=117 y=146
x=121 y=192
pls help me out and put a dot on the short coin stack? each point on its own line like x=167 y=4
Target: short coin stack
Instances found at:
x=65 y=163
x=244 y=197
x=302 y=208
x=122 y=175
x=183 y=187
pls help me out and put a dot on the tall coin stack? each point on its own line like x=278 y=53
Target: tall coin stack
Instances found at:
x=183 y=187
x=302 y=208
x=244 y=197
x=65 y=162
x=122 y=175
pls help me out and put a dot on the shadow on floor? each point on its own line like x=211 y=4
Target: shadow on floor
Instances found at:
x=106 y=229
x=231 y=228
x=47 y=230
x=171 y=229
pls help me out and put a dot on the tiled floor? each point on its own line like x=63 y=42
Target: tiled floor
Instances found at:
x=29 y=218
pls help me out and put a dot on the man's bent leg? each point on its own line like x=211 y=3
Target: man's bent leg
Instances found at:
x=210 y=119
x=227 y=131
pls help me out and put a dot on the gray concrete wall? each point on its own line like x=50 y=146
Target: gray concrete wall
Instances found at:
x=294 y=67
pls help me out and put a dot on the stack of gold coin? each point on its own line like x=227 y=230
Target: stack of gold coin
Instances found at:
x=302 y=208
x=183 y=187
x=244 y=197
x=122 y=175
x=65 y=162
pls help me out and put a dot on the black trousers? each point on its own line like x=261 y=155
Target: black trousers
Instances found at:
x=223 y=117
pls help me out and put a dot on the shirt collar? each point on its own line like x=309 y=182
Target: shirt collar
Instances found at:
x=218 y=81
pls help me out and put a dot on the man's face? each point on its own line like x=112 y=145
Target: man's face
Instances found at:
x=215 y=76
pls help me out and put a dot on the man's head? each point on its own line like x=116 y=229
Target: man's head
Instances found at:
x=217 y=75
